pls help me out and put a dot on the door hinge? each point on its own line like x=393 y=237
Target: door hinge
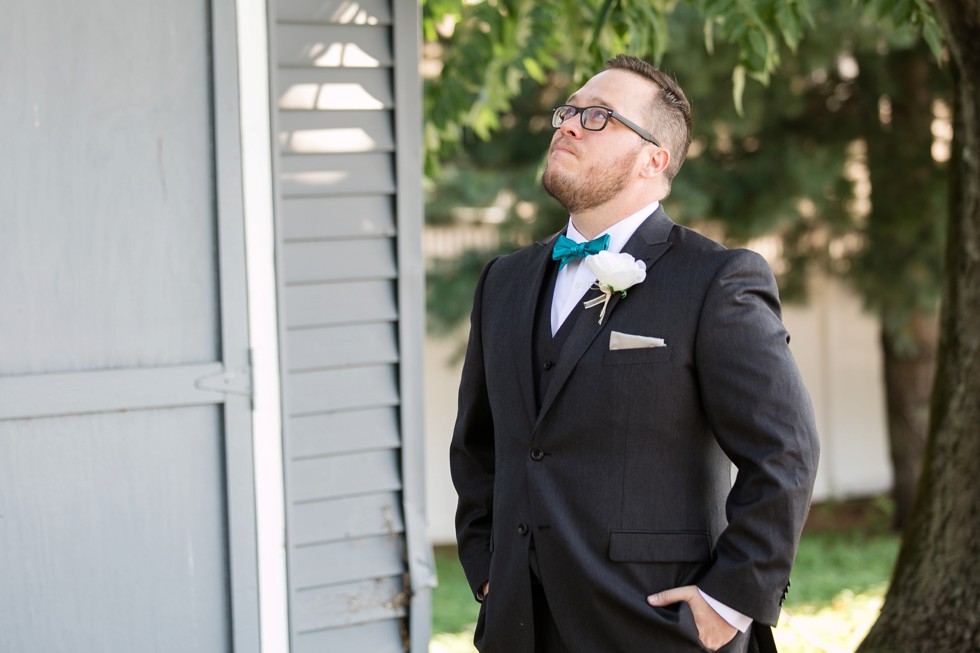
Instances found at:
x=229 y=381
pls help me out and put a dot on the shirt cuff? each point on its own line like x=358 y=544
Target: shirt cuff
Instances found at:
x=733 y=617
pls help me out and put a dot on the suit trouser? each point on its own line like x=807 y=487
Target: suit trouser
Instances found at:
x=546 y=636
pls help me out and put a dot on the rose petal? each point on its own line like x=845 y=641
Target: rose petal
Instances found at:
x=617 y=271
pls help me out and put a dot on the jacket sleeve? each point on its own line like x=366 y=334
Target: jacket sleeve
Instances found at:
x=762 y=418
x=471 y=455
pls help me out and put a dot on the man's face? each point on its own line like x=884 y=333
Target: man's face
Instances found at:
x=586 y=169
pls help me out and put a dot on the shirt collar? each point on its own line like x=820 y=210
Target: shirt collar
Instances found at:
x=620 y=232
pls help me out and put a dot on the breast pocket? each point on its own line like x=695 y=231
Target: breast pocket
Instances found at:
x=641 y=356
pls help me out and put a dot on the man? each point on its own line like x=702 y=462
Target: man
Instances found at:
x=593 y=456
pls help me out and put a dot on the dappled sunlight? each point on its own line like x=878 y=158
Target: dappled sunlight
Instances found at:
x=942 y=131
x=335 y=55
x=835 y=628
x=316 y=178
x=856 y=171
x=329 y=96
x=352 y=12
x=299 y=96
x=345 y=12
x=769 y=247
x=461 y=642
x=328 y=141
x=847 y=66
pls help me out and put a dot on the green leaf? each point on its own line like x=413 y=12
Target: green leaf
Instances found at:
x=600 y=22
x=789 y=25
x=933 y=35
x=805 y=11
x=534 y=69
x=738 y=88
x=709 y=36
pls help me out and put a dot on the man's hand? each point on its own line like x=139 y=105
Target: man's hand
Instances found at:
x=713 y=631
x=484 y=590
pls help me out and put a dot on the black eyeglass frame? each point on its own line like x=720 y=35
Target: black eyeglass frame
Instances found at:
x=557 y=121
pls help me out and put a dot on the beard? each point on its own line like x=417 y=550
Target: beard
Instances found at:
x=591 y=189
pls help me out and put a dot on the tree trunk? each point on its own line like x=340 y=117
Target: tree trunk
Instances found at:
x=909 y=372
x=933 y=603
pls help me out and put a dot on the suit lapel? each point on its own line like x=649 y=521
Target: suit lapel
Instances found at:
x=647 y=244
x=535 y=275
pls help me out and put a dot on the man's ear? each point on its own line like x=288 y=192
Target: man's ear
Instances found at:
x=655 y=162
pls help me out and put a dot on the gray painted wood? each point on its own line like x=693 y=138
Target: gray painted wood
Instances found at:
x=411 y=285
x=47 y=395
x=352 y=517
x=106 y=166
x=339 y=262
x=359 y=602
x=321 y=565
x=122 y=283
x=113 y=535
x=343 y=346
x=313 y=262
x=314 y=479
x=343 y=432
x=329 y=46
x=339 y=303
x=338 y=217
x=329 y=174
x=304 y=132
x=348 y=12
x=237 y=416
x=324 y=391
x=323 y=89
x=377 y=637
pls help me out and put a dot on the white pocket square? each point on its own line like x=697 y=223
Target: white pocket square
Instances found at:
x=619 y=340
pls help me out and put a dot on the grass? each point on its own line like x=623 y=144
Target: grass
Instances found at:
x=453 y=606
x=839 y=582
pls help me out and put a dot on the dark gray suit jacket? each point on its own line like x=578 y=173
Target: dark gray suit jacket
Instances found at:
x=629 y=490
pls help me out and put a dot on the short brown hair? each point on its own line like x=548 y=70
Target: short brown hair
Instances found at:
x=670 y=120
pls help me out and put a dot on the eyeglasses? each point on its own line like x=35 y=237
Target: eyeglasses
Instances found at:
x=595 y=119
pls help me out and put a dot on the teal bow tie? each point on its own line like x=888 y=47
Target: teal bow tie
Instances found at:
x=566 y=249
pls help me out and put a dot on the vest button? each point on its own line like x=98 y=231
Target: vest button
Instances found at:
x=522 y=529
x=548 y=365
x=537 y=454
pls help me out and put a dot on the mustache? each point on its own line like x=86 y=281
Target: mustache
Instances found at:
x=561 y=143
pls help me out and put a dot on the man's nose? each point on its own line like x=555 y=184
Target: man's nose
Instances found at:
x=571 y=126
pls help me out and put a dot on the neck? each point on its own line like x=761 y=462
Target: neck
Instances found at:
x=592 y=222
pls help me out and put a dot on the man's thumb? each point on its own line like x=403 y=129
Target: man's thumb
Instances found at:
x=667 y=597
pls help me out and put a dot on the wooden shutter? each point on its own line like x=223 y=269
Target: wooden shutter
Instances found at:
x=346 y=109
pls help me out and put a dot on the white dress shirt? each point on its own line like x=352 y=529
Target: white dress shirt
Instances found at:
x=573 y=281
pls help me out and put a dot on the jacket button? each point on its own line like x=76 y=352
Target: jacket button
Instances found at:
x=522 y=529
x=548 y=365
x=537 y=454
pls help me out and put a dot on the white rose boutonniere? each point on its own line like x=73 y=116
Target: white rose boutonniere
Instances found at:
x=613 y=273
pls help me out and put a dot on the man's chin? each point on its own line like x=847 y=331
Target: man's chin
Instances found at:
x=554 y=188
x=557 y=177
